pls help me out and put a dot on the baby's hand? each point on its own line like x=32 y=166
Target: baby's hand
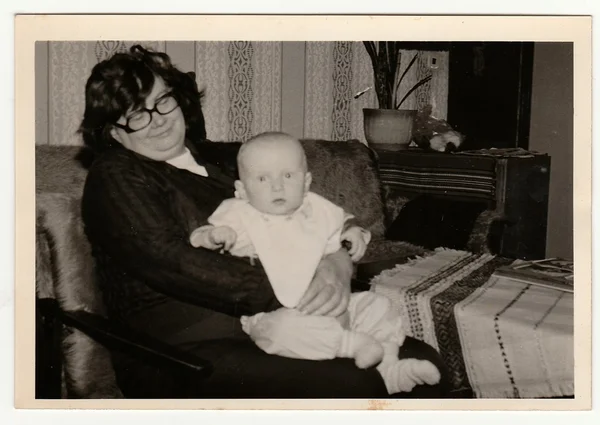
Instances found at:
x=223 y=236
x=212 y=237
x=355 y=235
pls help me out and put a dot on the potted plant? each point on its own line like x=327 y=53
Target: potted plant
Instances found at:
x=389 y=126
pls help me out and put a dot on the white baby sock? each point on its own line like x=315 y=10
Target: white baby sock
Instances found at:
x=402 y=375
x=364 y=349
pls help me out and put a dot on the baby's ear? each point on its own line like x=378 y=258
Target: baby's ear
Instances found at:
x=307 y=181
x=240 y=191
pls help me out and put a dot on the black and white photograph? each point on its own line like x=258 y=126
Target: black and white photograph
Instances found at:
x=178 y=253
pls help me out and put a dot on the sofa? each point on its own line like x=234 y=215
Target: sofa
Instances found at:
x=76 y=343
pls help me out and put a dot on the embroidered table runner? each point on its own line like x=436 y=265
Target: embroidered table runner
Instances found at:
x=498 y=337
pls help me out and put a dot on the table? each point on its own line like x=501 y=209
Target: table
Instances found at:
x=499 y=338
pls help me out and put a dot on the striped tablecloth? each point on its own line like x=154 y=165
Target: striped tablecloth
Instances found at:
x=499 y=338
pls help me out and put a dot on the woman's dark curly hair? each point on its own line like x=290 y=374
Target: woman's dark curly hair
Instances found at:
x=123 y=82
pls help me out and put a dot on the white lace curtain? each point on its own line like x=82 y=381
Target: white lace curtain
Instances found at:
x=243 y=84
x=241 y=80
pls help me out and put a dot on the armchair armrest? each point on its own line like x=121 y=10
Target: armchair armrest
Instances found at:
x=114 y=335
x=487 y=233
x=93 y=377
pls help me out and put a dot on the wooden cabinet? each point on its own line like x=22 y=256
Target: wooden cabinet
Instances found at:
x=516 y=187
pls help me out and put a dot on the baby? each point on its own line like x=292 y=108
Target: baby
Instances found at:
x=277 y=219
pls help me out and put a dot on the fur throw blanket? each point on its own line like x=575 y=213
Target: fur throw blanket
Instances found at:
x=65 y=271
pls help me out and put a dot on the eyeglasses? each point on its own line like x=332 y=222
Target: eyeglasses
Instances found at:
x=142 y=118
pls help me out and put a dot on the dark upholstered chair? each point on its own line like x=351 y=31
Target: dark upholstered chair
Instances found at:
x=77 y=344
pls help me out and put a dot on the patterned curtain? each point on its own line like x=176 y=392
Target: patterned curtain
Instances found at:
x=69 y=66
x=336 y=71
x=242 y=82
x=242 y=85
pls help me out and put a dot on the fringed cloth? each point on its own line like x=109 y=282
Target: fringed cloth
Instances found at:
x=499 y=338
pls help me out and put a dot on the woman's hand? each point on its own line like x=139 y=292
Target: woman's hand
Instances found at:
x=329 y=292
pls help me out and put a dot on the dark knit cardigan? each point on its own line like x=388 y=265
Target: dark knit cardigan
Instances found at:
x=138 y=215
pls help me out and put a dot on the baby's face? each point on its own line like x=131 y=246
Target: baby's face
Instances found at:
x=274 y=179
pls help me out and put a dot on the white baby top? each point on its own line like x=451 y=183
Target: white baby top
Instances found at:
x=289 y=247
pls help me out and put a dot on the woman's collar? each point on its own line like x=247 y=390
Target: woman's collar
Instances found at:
x=212 y=170
x=187 y=144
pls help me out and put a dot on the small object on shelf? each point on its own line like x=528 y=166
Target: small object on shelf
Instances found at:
x=434 y=134
x=552 y=273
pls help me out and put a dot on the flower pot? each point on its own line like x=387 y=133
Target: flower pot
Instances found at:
x=388 y=129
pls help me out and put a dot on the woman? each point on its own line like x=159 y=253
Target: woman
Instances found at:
x=146 y=191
